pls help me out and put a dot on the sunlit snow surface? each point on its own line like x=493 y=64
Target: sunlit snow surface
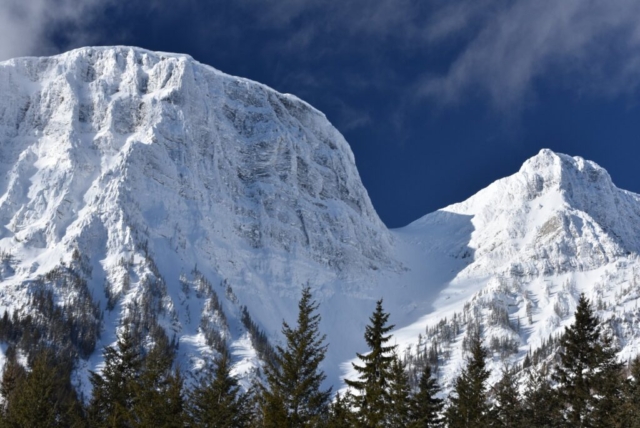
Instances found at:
x=120 y=152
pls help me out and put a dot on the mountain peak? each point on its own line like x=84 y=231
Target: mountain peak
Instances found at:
x=556 y=214
x=564 y=171
x=585 y=187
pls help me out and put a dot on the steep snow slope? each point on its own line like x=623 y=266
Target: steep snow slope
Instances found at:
x=531 y=242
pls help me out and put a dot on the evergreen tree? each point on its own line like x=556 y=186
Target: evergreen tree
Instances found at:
x=158 y=400
x=508 y=408
x=540 y=404
x=468 y=406
x=372 y=387
x=400 y=400
x=426 y=404
x=13 y=376
x=294 y=397
x=217 y=400
x=586 y=371
x=340 y=414
x=114 y=390
x=44 y=397
x=609 y=387
x=629 y=411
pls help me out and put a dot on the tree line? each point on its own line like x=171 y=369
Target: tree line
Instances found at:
x=583 y=386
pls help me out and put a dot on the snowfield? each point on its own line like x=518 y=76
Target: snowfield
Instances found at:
x=191 y=198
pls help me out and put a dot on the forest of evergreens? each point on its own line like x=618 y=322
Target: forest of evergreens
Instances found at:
x=581 y=385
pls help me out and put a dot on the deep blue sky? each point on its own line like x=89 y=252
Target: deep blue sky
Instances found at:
x=437 y=98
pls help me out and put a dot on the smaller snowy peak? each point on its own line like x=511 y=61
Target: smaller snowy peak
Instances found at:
x=587 y=187
x=573 y=176
x=557 y=213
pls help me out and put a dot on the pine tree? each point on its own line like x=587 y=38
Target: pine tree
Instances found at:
x=426 y=404
x=540 y=404
x=629 y=411
x=114 y=389
x=13 y=374
x=158 y=400
x=609 y=387
x=340 y=414
x=294 y=397
x=400 y=400
x=217 y=400
x=508 y=409
x=584 y=373
x=44 y=397
x=468 y=406
x=372 y=387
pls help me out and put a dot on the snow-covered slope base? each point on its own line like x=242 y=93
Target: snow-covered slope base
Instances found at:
x=147 y=189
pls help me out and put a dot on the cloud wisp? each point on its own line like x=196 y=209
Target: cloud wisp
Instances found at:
x=500 y=49
x=594 y=44
x=26 y=26
x=501 y=46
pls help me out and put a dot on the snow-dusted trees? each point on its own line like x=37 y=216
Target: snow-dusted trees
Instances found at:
x=584 y=387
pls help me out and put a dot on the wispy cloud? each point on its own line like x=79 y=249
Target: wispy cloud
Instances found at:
x=498 y=48
x=26 y=26
x=595 y=45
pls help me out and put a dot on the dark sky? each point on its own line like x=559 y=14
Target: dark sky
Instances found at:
x=438 y=98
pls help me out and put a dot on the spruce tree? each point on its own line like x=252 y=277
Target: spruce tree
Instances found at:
x=294 y=397
x=609 y=387
x=586 y=370
x=629 y=411
x=427 y=407
x=508 y=407
x=44 y=397
x=468 y=406
x=372 y=387
x=541 y=408
x=114 y=390
x=13 y=375
x=158 y=400
x=340 y=414
x=217 y=400
x=400 y=400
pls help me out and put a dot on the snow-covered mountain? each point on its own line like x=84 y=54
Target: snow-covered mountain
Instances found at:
x=530 y=244
x=160 y=173
x=148 y=189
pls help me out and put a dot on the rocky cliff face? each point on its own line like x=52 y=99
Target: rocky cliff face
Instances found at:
x=165 y=143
